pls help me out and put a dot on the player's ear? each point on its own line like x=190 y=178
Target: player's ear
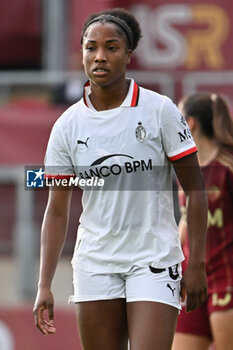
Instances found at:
x=192 y=123
x=129 y=55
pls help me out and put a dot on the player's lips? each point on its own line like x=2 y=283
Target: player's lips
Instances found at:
x=100 y=71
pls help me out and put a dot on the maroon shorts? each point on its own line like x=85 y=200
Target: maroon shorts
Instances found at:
x=197 y=321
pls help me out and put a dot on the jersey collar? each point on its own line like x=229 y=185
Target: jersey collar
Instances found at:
x=131 y=99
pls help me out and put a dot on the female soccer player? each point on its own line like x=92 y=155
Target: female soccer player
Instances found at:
x=212 y=128
x=126 y=263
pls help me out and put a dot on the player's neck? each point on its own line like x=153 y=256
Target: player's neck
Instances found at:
x=207 y=150
x=104 y=98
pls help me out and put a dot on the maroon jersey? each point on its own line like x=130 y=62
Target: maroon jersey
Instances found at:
x=219 y=250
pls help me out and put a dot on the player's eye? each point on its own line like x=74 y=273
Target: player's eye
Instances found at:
x=90 y=48
x=112 y=48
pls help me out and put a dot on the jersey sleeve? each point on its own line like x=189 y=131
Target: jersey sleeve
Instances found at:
x=57 y=161
x=176 y=135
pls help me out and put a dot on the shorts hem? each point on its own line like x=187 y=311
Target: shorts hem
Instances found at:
x=195 y=333
x=75 y=299
x=177 y=306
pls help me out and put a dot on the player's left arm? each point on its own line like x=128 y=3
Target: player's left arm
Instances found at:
x=194 y=283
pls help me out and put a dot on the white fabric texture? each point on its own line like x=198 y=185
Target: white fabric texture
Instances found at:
x=127 y=222
x=138 y=284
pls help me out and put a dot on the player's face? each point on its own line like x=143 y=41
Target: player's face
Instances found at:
x=105 y=54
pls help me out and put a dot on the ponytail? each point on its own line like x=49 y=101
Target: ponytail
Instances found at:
x=223 y=130
x=222 y=122
x=213 y=115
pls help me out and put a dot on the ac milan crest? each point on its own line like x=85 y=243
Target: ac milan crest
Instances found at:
x=140 y=132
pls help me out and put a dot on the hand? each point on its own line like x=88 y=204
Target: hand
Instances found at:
x=194 y=287
x=44 y=301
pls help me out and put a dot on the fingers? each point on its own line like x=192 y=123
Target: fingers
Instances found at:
x=39 y=319
x=45 y=327
x=195 y=299
x=193 y=296
x=191 y=302
x=49 y=327
x=182 y=291
x=50 y=311
x=194 y=285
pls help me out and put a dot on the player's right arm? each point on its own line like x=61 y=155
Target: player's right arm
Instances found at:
x=53 y=234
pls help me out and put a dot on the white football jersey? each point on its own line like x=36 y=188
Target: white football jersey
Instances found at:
x=129 y=221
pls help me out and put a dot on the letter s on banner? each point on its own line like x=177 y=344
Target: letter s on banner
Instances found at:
x=157 y=26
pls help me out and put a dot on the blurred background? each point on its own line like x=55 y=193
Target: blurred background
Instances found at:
x=186 y=46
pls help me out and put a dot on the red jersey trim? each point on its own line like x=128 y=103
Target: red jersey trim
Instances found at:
x=135 y=96
x=50 y=176
x=183 y=154
x=134 y=100
x=84 y=95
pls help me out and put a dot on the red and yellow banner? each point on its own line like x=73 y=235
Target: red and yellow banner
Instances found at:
x=188 y=35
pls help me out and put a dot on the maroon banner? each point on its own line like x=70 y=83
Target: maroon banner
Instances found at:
x=78 y=13
x=25 y=129
x=20 y=33
x=191 y=35
x=18 y=331
x=180 y=41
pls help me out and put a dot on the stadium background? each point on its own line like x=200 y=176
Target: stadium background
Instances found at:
x=186 y=46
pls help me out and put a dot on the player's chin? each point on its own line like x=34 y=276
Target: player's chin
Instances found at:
x=101 y=81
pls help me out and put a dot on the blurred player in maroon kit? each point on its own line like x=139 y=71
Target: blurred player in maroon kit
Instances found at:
x=212 y=128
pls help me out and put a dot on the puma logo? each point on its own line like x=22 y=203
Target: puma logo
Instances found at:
x=80 y=142
x=172 y=289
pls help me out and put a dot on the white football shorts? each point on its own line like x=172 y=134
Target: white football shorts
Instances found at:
x=144 y=283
